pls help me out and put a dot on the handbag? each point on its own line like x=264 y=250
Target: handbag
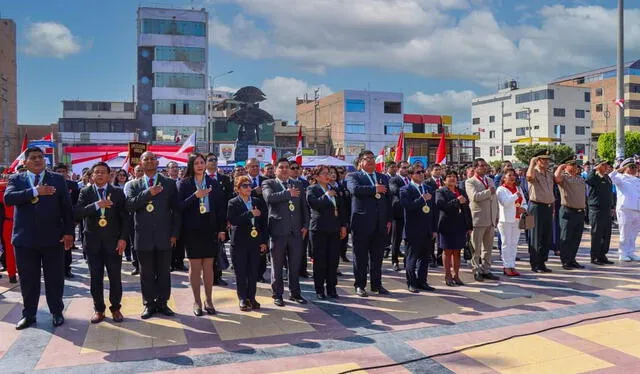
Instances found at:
x=467 y=250
x=526 y=222
x=222 y=261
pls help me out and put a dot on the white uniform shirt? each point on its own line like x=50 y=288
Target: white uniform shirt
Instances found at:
x=628 y=190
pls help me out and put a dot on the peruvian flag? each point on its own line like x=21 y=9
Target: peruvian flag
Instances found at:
x=126 y=165
x=400 y=147
x=20 y=158
x=410 y=155
x=274 y=156
x=299 y=147
x=619 y=102
x=441 y=153
x=189 y=145
x=380 y=161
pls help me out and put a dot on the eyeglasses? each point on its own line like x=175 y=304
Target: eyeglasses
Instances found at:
x=367 y=158
x=211 y=160
x=245 y=185
x=418 y=172
x=294 y=168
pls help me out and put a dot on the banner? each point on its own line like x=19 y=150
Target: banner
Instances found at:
x=421 y=159
x=136 y=149
x=227 y=152
x=263 y=154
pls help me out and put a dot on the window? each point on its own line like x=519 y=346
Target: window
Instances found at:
x=598 y=107
x=507 y=130
x=129 y=107
x=354 y=128
x=392 y=128
x=522 y=115
x=506 y=115
x=561 y=128
x=91 y=125
x=172 y=27
x=476 y=121
x=580 y=130
x=492 y=119
x=179 y=107
x=188 y=54
x=598 y=91
x=418 y=128
x=178 y=80
x=392 y=107
x=559 y=112
x=587 y=97
x=632 y=121
x=492 y=134
x=103 y=126
x=117 y=126
x=536 y=127
x=580 y=148
x=521 y=131
x=632 y=104
x=476 y=152
x=536 y=110
x=579 y=113
x=353 y=105
x=508 y=150
x=492 y=151
x=547 y=94
x=632 y=87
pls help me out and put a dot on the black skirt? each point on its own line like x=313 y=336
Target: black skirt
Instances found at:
x=200 y=243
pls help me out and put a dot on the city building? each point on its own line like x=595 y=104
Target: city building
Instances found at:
x=172 y=74
x=547 y=114
x=285 y=138
x=97 y=123
x=601 y=84
x=11 y=141
x=423 y=133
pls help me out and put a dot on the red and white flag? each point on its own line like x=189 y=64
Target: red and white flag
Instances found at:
x=189 y=145
x=380 y=161
x=400 y=147
x=126 y=165
x=480 y=129
x=410 y=155
x=619 y=102
x=20 y=159
x=299 y=147
x=441 y=153
x=274 y=156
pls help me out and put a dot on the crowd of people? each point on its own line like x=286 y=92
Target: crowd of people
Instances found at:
x=285 y=216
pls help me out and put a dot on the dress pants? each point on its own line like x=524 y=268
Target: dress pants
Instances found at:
x=67 y=260
x=540 y=236
x=177 y=254
x=367 y=252
x=134 y=254
x=306 y=248
x=482 y=239
x=417 y=261
x=262 y=265
x=29 y=261
x=155 y=276
x=600 y=221
x=106 y=256
x=629 y=223
x=245 y=265
x=571 y=227
x=510 y=234
x=326 y=256
x=289 y=247
x=397 y=229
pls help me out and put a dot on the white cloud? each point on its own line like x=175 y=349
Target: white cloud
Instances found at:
x=281 y=93
x=450 y=102
x=50 y=39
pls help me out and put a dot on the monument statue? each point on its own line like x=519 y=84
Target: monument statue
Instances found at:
x=249 y=119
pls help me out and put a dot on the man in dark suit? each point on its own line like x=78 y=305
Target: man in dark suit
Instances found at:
x=295 y=175
x=288 y=225
x=74 y=192
x=397 y=226
x=371 y=217
x=43 y=229
x=434 y=182
x=153 y=200
x=226 y=188
x=106 y=231
x=418 y=201
x=253 y=172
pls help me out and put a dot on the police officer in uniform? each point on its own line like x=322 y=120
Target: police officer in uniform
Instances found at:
x=571 y=216
x=627 y=207
x=601 y=210
x=541 y=202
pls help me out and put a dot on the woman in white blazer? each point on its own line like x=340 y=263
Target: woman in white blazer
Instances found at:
x=512 y=204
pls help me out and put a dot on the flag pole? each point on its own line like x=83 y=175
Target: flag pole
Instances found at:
x=620 y=84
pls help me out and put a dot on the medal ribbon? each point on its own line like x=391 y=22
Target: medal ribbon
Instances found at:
x=30 y=177
x=101 y=197
x=204 y=201
x=331 y=198
x=373 y=180
x=249 y=205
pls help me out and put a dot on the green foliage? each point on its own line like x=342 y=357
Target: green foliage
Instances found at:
x=495 y=164
x=607 y=145
x=524 y=153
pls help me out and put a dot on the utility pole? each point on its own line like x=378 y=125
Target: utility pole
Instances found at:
x=620 y=83
x=4 y=100
x=502 y=133
x=316 y=105
x=528 y=110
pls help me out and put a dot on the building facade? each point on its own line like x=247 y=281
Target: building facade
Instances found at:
x=172 y=74
x=422 y=138
x=97 y=122
x=547 y=114
x=11 y=141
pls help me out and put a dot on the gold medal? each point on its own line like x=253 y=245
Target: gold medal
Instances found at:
x=254 y=232
x=426 y=209
x=203 y=209
x=291 y=206
x=517 y=205
x=102 y=222
x=35 y=200
x=150 y=207
x=378 y=196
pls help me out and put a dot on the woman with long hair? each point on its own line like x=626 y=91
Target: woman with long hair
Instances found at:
x=512 y=204
x=203 y=226
x=454 y=224
x=121 y=178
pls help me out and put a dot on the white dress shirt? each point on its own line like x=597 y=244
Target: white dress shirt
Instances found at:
x=628 y=190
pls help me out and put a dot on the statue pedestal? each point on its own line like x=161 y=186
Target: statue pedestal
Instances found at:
x=242 y=150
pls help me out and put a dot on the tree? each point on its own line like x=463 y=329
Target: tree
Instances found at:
x=607 y=145
x=524 y=153
x=495 y=164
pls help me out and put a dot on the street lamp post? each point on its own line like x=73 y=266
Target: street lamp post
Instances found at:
x=528 y=110
x=620 y=83
x=212 y=80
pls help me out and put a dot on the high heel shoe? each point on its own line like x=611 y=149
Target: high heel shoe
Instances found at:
x=210 y=310
x=458 y=281
x=449 y=281
x=197 y=310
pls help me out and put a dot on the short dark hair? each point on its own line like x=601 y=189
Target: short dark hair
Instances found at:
x=451 y=172
x=100 y=163
x=293 y=162
x=31 y=150
x=210 y=155
x=364 y=153
x=391 y=163
x=61 y=165
x=282 y=159
x=477 y=161
x=413 y=168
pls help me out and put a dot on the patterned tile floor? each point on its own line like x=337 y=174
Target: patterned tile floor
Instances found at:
x=351 y=333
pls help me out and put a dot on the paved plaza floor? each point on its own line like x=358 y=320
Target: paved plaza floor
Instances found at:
x=349 y=333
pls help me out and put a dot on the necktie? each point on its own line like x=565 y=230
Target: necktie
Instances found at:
x=36 y=180
x=405 y=180
x=101 y=192
x=150 y=182
x=255 y=181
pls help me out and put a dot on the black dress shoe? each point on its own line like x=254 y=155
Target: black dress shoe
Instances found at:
x=13 y=279
x=332 y=295
x=380 y=291
x=567 y=267
x=135 y=271
x=490 y=276
x=68 y=274
x=57 y=320
x=197 y=311
x=25 y=322
x=576 y=265
x=219 y=282
x=396 y=267
x=545 y=269
x=255 y=305
x=606 y=261
x=298 y=299
x=596 y=261
x=211 y=310
x=278 y=301
x=262 y=280
x=166 y=311
x=426 y=287
x=413 y=289
x=304 y=275
x=339 y=273
x=344 y=259
x=386 y=254
x=321 y=296
x=361 y=292
x=148 y=312
x=244 y=306
x=478 y=277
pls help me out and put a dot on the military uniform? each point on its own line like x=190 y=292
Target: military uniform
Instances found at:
x=541 y=209
x=571 y=216
x=628 y=210
x=600 y=203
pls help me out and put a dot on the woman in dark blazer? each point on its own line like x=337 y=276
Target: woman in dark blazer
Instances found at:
x=454 y=224
x=336 y=177
x=203 y=225
x=327 y=227
x=248 y=218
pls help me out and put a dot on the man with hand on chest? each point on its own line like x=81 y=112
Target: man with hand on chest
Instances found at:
x=74 y=191
x=106 y=230
x=396 y=182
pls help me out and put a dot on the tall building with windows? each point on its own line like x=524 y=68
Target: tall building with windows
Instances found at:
x=172 y=74
x=547 y=114
x=97 y=123
x=10 y=142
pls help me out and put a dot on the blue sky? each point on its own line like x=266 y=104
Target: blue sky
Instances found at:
x=439 y=53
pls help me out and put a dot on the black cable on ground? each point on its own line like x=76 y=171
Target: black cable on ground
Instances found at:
x=488 y=343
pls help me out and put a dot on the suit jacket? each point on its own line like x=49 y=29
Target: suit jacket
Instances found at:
x=305 y=183
x=253 y=192
x=323 y=217
x=345 y=196
x=367 y=212
x=395 y=184
x=431 y=182
x=153 y=230
x=453 y=217
x=240 y=219
x=282 y=221
x=483 y=204
x=225 y=185
x=74 y=191
x=190 y=206
x=118 y=219
x=42 y=224
x=418 y=225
